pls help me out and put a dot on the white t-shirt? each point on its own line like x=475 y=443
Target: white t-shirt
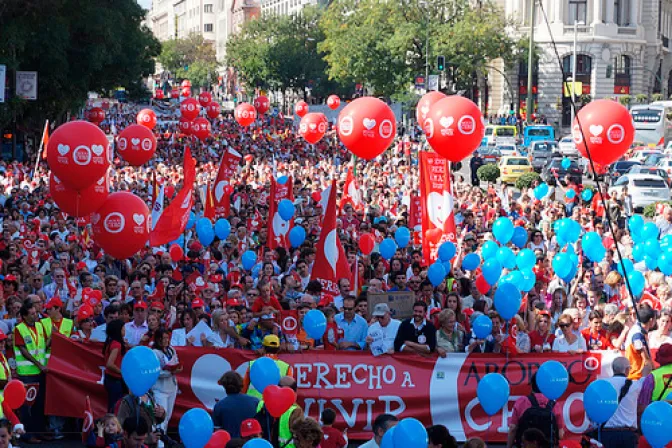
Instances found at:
x=383 y=336
x=626 y=413
x=561 y=345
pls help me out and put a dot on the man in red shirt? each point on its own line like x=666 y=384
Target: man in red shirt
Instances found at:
x=331 y=437
x=265 y=299
x=596 y=337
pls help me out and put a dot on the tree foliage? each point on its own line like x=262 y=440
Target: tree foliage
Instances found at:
x=76 y=46
x=192 y=58
x=384 y=43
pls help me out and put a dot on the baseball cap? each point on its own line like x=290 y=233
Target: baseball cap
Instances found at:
x=158 y=305
x=85 y=311
x=55 y=301
x=271 y=340
x=197 y=303
x=380 y=309
x=139 y=304
x=81 y=265
x=250 y=427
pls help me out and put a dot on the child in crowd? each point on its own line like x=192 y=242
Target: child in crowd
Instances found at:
x=108 y=432
x=332 y=437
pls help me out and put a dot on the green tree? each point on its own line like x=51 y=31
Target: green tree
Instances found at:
x=76 y=46
x=191 y=58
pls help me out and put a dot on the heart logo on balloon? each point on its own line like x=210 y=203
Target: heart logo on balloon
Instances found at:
x=312 y=126
x=139 y=219
x=369 y=123
x=596 y=130
x=199 y=282
x=97 y=149
x=135 y=141
x=425 y=110
x=446 y=121
x=95 y=217
x=63 y=149
x=439 y=207
x=100 y=181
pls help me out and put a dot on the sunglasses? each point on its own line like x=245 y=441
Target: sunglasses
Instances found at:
x=157 y=310
x=564 y=325
x=348 y=308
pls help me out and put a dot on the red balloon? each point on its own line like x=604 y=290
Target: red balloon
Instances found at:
x=213 y=109
x=186 y=83
x=248 y=158
x=158 y=94
x=366 y=243
x=278 y=399
x=454 y=127
x=204 y=98
x=185 y=126
x=176 y=252
x=301 y=108
x=313 y=126
x=245 y=114
x=262 y=104
x=81 y=203
x=607 y=130
x=147 y=118
x=136 y=144
x=201 y=128
x=333 y=102
x=190 y=108
x=366 y=127
x=78 y=154
x=123 y=218
x=219 y=439
x=95 y=115
x=15 y=394
x=426 y=103
x=186 y=92
x=482 y=285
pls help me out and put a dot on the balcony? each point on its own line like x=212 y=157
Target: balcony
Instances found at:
x=581 y=29
x=627 y=30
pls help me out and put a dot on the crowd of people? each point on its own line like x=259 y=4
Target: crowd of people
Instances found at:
x=56 y=280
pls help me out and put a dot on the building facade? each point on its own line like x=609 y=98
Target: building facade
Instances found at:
x=285 y=7
x=622 y=48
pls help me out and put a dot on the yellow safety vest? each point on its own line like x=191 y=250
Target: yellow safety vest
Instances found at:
x=660 y=376
x=282 y=365
x=65 y=330
x=5 y=375
x=38 y=350
x=284 y=431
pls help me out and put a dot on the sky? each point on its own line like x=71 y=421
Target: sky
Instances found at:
x=145 y=3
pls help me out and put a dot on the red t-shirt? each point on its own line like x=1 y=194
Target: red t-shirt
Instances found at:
x=117 y=362
x=259 y=304
x=332 y=438
x=598 y=341
x=537 y=339
x=18 y=339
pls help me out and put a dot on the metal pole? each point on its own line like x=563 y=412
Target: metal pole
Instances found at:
x=427 y=48
x=530 y=61
x=576 y=30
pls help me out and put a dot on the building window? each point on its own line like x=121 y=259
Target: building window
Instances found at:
x=583 y=65
x=622 y=65
x=207 y=8
x=208 y=27
x=577 y=11
x=622 y=12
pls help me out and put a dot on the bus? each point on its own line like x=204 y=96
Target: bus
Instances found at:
x=538 y=133
x=501 y=134
x=653 y=123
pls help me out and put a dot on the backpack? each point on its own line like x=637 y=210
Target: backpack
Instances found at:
x=541 y=418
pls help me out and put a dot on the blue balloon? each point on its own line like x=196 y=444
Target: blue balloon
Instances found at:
x=529 y=280
x=196 y=428
x=205 y=231
x=513 y=277
x=566 y=163
x=629 y=267
x=259 y=443
x=596 y=254
x=264 y=372
x=493 y=393
x=387 y=248
x=315 y=324
x=410 y=433
x=471 y=261
x=666 y=241
x=436 y=273
x=507 y=300
x=552 y=379
x=655 y=419
x=651 y=248
x=651 y=262
x=649 y=231
x=492 y=270
x=297 y=236
x=570 y=194
x=587 y=195
x=286 y=209
x=482 y=326
x=519 y=238
x=140 y=369
x=447 y=265
x=191 y=222
x=446 y=251
x=540 y=191
x=665 y=263
x=562 y=264
x=568 y=229
x=590 y=239
x=635 y=224
x=506 y=257
x=502 y=229
x=526 y=259
x=282 y=180
x=222 y=229
x=600 y=400
x=388 y=439
x=256 y=269
x=402 y=236
x=249 y=259
x=489 y=249
x=637 y=282
x=179 y=241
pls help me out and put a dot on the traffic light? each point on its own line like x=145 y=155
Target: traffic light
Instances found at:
x=441 y=63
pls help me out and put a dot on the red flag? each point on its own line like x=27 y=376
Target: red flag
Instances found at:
x=45 y=139
x=415 y=215
x=331 y=264
x=289 y=321
x=174 y=219
x=87 y=424
x=350 y=192
x=227 y=168
x=436 y=200
x=209 y=211
x=278 y=228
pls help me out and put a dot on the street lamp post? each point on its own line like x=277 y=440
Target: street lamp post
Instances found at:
x=576 y=32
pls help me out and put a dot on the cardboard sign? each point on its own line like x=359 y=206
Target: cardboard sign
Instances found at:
x=400 y=303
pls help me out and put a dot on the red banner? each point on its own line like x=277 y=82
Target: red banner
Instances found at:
x=227 y=168
x=436 y=199
x=415 y=213
x=357 y=385
x=278 y=228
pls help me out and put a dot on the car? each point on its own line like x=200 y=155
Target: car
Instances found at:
x=644 y=189
x=652 y=159
x=617 y=169
x=489 y=154
x=641 y=154
x=555 y=169
x=665 y=164
x=542 y=153
x=512 y=167
x=567 y=146
x=507 y=150
x=655 y=170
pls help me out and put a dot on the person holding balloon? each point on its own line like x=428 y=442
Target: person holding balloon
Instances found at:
x=165 y=388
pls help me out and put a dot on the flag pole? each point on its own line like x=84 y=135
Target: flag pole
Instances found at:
x=39 y=152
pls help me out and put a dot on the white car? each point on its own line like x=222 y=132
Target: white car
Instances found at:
x=644 y=189
x=642 y=154
x=567 y=146
x=507 y=149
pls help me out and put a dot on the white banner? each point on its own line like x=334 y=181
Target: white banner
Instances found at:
x=26 y=85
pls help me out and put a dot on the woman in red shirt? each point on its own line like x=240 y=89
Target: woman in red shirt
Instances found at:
x=265 y=299
x=113 y=351
x=541 y=339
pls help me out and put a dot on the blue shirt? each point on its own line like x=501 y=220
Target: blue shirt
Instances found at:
x=230 y=412
x=354 y=331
